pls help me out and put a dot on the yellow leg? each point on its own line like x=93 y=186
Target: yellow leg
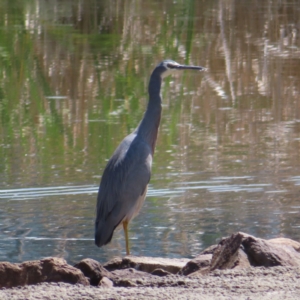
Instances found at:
x=125 y=227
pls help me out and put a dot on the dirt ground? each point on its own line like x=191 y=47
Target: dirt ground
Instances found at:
x=253 y=283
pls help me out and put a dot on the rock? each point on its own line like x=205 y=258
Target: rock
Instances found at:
x=146 y=264
x=106 y=282
x=56 y=269
x=286 y=242
x=98 y=275
x=242 y=260
x=226 y=255
x=114 y=264
x=200 y=262
x=50 y=269
x=92 y=269
x=200 y=272
x=270 y=253
x=242 y=250
x=160 y=272
x=10 y=275
x=130 y=273
x=128 y=277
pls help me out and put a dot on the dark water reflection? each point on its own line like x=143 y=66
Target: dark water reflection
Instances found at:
x=73 y=82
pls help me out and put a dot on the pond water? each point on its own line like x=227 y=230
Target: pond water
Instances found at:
x=73 y=83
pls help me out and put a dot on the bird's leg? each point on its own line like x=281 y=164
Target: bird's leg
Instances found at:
x=125 y=227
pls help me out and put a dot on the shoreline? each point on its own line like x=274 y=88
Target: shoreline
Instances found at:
x=241 y=266
x=252 y=283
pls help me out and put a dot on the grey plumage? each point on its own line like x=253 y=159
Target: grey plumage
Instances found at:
x=124 y=182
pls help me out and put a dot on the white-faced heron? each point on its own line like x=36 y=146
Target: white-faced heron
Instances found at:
x=124 y=181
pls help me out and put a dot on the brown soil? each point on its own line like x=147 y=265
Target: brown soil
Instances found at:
x=252 y=283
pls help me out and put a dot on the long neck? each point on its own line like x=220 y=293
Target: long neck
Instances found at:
x=148 y=127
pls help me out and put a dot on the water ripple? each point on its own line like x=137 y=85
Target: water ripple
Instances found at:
x=211 y=186
x=34 y=193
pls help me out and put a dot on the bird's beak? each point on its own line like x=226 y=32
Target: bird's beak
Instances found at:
x=186 y=67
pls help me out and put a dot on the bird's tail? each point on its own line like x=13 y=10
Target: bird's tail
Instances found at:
x=103 y=233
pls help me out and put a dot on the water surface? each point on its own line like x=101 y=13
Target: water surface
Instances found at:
x=73 y=83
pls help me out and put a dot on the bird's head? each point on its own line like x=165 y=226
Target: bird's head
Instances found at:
x=168 y=66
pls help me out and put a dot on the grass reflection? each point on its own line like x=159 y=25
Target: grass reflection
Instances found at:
x=73 y=83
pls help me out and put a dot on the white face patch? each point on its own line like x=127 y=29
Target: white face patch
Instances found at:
x=168 y=72
x=171 y=68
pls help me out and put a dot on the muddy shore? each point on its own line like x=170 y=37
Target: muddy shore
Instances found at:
x=241 y=266
x=252 y=283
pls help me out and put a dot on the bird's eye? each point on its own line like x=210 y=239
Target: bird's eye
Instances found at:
x=171 y=66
